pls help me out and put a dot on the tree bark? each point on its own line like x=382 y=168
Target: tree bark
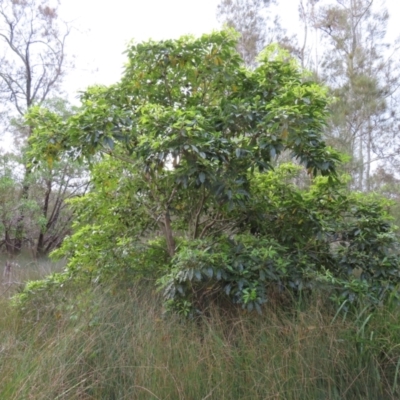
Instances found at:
x=40 y=243
x=168 y=234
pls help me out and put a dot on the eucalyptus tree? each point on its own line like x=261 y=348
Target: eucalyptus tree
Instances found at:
x=360 y=66
x=253 y=20
x=32 y=66
x=33 y=60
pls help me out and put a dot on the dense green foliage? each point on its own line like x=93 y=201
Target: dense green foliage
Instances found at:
x=190 y=192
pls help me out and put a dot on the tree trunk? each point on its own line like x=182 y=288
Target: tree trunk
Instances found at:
x=9 y=244
x=168 y=234
x=369 y=150
x=40 y=243
x=19 y=232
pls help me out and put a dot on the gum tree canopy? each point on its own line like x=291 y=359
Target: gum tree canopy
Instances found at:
x=186 y=191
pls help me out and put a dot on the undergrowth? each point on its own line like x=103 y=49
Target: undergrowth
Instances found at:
x=94 y=343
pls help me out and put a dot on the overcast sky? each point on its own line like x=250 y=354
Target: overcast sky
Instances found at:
x=103 y=29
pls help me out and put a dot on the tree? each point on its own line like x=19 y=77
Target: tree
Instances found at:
x=360 y=67
x=10 y=200
x=43 y=215
x=32 y=66
x=53 y=183
x=186 y=192
x=47 y=216
x=33 y=47
x=198 y=112
x=252 y=19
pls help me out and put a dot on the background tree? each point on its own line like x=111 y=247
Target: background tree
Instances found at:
x=33 y=63
x=10 y=186
x=360 y=67
x=255 y=23
x=344 y=45
x=52 y=183
x=33 y=47
x=47 y=217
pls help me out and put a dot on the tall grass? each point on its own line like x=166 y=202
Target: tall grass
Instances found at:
x=98 y=344
x=23 y=268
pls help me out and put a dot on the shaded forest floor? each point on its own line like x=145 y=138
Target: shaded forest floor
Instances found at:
x=116 y=344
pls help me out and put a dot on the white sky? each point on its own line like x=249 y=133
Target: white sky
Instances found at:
x=103 y=29
x=107 y=26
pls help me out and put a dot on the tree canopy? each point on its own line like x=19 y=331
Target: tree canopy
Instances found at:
x=190 y=191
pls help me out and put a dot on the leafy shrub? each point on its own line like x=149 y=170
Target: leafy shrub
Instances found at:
x=289 y=241
x=191 y=193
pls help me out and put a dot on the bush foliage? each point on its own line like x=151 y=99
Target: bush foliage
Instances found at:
x=191 y=192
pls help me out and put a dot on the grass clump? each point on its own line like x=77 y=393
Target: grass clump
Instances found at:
x=95 y=343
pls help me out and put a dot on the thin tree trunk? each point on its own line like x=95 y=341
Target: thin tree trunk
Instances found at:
x=8 y=243
x=361 y=167
x=19 y=232
x=168 y=234
x=40 y=243
x=369 y=149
